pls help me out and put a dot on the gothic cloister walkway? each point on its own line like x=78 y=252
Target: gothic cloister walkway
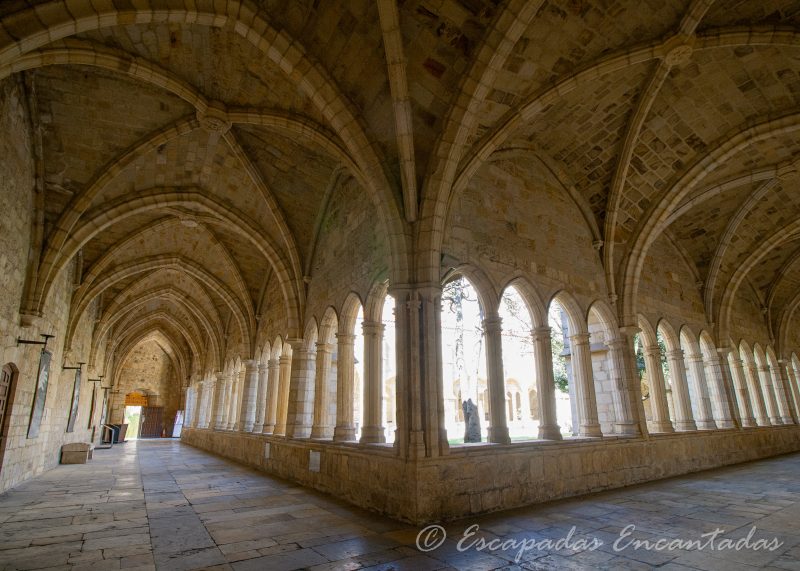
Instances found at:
x=165 y=505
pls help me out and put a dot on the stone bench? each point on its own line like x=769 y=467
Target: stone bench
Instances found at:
x=76 y=453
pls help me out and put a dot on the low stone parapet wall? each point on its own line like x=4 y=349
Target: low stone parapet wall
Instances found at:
x=475 y=479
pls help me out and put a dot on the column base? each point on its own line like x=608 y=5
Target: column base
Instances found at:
x=268 y=429
x=749 y=422
x=775 y=420
x=499 y=435
x=787 y=420
x=258 y=428
x=220 y=426
x=590 y=430
x=321 y=432
x=706 y=425
x=632 y=428
x=372 y=435
x=344 y=434
x=246 y=427
x=763 y=422
x=726 y=424
x=552 y=432
x=685 y=426
x=298 y=432
x=662 y=426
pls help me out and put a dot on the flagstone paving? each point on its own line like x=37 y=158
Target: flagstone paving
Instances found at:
x=163 y=505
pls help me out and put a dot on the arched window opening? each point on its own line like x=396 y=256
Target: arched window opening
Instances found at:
x=765 y=385
x=603 y=373
x=566 y=414
x=644 y=378
x=325 y=377
x=463 y=356
x=781 y=398
x=662 y=355
x=696 y=381
x=358 y=375
x=518 y=364
x=753 y=384
x=389 y=355
x=653 y=369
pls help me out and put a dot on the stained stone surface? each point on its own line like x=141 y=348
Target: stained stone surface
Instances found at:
x=164 y=505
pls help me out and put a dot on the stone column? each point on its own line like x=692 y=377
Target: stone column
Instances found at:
x=200 y=397
x=742 y=396
x=248 y=390
x=197 y=402
x=584 y=385
x=320 y=428
x=271 y=410
x=791 y=381
x=345 y=376
x=658 y=391
x=781 y=395
x=219 y=402
x=420 y=393
x=627 y=395
x=230 y=399
x=238 y=385
x=498 y=424
x=769 y=395
x=226 y=385
x=719 y=383
x=684 y=417
x=705 y=420
x=261 y=398
x=372 y=431
x=284 y=378
x=301 y=395
x=205 y=403
x=754 y=384
x=189 y=409
x=545 y=384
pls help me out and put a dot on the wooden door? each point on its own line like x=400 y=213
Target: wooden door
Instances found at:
x=152 y=422
x=5 y=397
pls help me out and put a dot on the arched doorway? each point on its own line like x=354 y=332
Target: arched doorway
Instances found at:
x=8 y=384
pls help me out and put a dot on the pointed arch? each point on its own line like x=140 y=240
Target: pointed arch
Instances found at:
x=480 y=282
x=532 y=299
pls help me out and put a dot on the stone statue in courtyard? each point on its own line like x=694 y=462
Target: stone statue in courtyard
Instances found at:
x=472 y=423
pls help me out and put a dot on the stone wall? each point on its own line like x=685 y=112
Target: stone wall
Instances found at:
x=351 y=252
x=371 y=477
x=26 y=457
x=478 y=479
x=148 y=369
x=525 y=225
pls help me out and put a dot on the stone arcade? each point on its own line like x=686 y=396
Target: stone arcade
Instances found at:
x=317 y=228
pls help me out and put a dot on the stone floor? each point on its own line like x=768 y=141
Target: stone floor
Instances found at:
x=163 y=505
